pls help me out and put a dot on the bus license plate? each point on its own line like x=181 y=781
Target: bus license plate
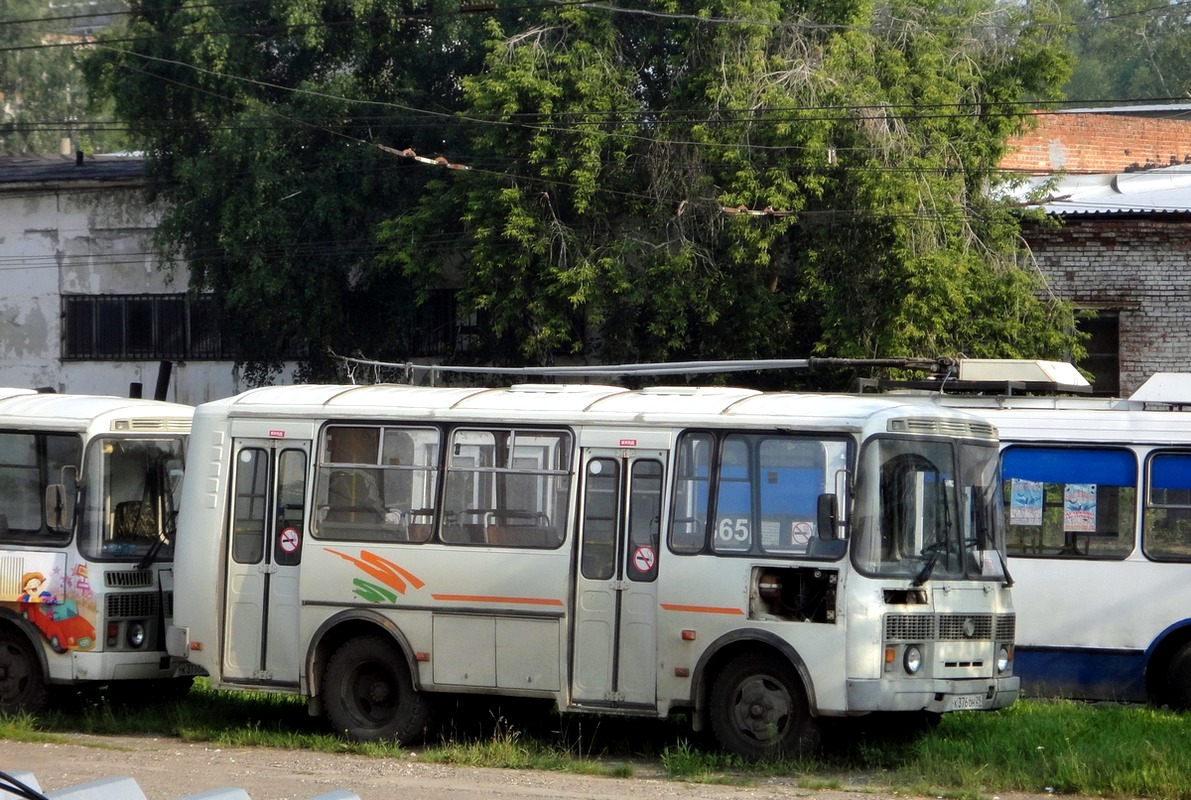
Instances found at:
x=966 y=701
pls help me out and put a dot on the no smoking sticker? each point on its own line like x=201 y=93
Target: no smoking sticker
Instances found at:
x=289 y=540
x=801 y=532
x=644 y=558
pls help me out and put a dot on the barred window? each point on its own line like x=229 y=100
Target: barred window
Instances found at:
x=142 y=326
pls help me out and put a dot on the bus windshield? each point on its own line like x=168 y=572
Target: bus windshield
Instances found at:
x=129 y=498
x=929 y=510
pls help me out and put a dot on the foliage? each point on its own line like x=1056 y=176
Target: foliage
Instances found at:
x=610 y=153
x=41 y=87
x=265 y=123
x=1130 y=50
x=871 y=132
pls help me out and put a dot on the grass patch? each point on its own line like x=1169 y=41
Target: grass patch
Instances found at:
x=1064 y=747
x=1035 y=746
x=27 y=728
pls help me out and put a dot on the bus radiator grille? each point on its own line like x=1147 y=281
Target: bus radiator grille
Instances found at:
x=949 y=627
x=962 y=627
x=132 y=606
x=909 y=627
x=1006 y=627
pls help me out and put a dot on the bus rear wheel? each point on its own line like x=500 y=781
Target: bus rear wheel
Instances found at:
x=1178 y=680
x=759 y=709
x=369 y=695
x=22 y=686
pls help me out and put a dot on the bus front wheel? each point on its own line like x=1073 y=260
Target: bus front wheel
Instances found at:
x=369 y=695
x=760 y=710
x=22 y=686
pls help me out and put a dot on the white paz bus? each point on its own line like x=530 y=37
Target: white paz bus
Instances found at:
x=88 y=493
x=1097 y=499
x=756 y=560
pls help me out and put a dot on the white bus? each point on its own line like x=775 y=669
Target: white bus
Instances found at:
x=88 y=491
x=1097 y=499
x=756 y=560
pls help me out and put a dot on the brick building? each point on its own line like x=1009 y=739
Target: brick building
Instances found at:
x=1122 y=186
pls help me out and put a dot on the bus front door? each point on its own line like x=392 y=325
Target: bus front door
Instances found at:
x=267 y=519
x=615 y=649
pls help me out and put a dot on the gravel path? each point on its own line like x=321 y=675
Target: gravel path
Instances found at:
x=169 y=769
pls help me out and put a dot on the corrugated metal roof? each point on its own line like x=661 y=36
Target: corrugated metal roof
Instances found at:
x=26 y=169
x=1154 y=191
x=1172 y=110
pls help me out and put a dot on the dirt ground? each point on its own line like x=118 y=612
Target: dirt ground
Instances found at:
x=168 y=769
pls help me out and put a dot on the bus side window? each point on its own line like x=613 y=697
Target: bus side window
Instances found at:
x=600 y=505
x=1069 y=502
x=376 y=483
x=507 y=488
x=24 y=475
x=1167 y=532
x=250 y=501
x=688 y=523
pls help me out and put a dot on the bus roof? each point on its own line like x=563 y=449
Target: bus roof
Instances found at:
x=23 y=409
x=560 y=403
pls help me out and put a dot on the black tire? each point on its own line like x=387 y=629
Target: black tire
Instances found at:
x=1177 y=692
x=759 y=709
x=22 y=684
x=369 y=695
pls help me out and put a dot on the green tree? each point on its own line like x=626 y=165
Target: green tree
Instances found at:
x=1130 y=50
x=872 y=133
x=267 y=123
x=43 y=95
x=720 y=178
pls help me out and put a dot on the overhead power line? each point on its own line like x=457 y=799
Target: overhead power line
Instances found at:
x=493 y=7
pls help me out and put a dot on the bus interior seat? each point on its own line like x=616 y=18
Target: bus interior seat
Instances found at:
x=352 y=497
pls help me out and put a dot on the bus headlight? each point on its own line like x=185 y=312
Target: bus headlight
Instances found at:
x=135 y=635
x=1004 y=657
x=912 y=659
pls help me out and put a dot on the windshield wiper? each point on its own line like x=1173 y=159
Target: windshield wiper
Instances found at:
x=931 y=554
x=163 y=538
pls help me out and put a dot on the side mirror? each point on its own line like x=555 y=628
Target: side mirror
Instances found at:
x=59 y=500
x=59 y=507
x=827 y=517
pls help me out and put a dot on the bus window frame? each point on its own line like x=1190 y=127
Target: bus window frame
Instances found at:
x=44 y=535
x=1149 y=505
x=1127 y=533
x=385 y=530
x=755 y=440
x=439 y=512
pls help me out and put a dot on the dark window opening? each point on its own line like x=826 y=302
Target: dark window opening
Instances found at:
x=1104 y=348
x=143 y=327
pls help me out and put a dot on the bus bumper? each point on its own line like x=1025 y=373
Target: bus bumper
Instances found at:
x=932 y=695
x=123 y=666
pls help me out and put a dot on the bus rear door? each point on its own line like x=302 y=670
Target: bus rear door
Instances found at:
x=615 y=648
x=268 y=508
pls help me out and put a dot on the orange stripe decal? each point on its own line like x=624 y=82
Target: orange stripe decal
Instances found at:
x=702 y=609
x=483 y=598
x=382 y=569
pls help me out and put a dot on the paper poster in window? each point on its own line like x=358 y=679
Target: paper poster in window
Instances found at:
x=1079 y=508
x=1025 y=502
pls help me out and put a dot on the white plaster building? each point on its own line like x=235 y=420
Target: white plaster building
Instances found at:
x=83 y=305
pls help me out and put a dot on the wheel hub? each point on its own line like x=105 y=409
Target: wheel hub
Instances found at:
x=380 y=692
